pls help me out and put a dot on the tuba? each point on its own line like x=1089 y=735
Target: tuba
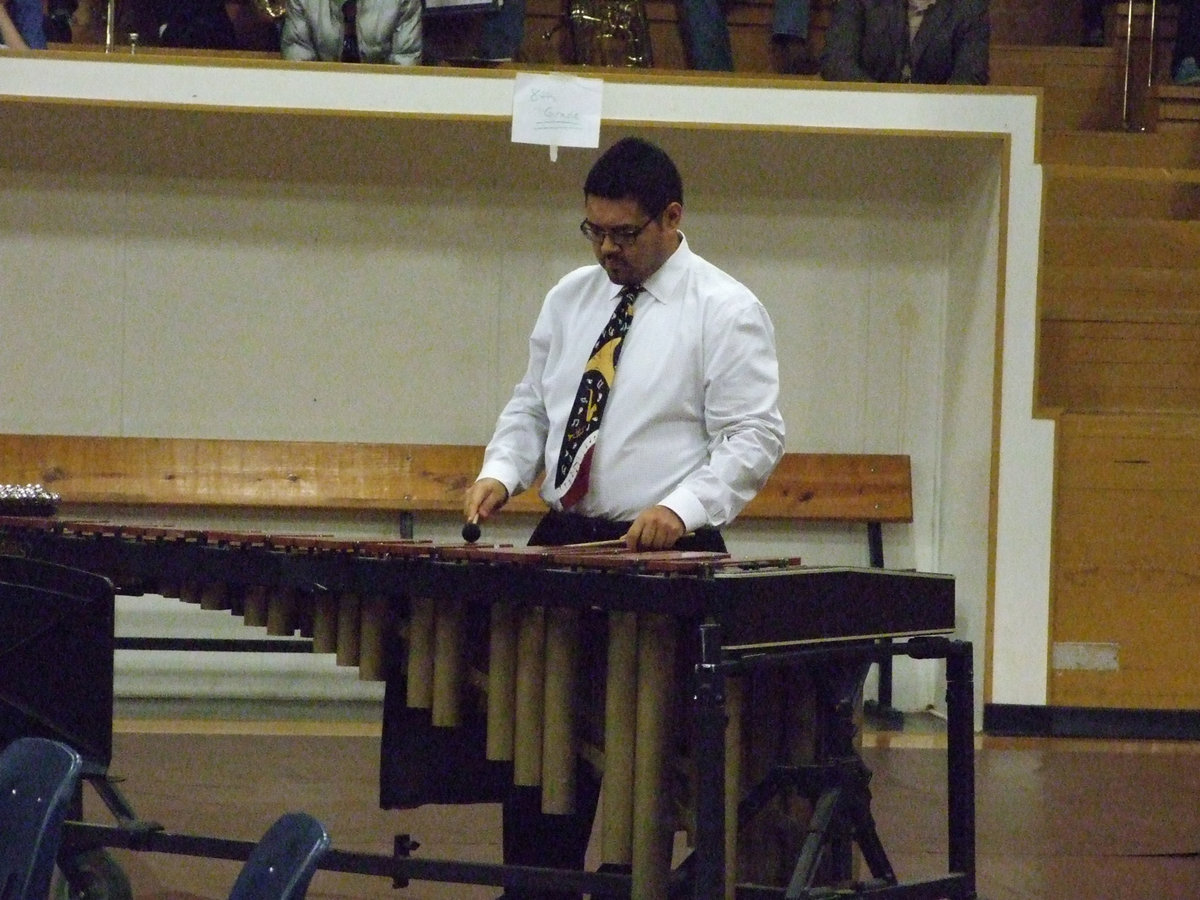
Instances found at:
x=270 y=10
x=609 y=33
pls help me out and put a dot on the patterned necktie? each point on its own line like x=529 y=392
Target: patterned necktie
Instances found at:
x=579 y=437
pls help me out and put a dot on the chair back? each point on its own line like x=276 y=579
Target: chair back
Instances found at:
x=283 y=862
x=55 y=577
x=39 y=780
x=56 y=657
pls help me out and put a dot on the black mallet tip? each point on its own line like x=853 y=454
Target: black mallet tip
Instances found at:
x=470 y=532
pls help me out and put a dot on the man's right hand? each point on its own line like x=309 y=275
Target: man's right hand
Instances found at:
x=483 y=498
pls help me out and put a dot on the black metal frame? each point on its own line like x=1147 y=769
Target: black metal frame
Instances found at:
x=837 y=783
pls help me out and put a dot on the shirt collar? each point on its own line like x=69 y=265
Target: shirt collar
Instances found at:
x=664 y=283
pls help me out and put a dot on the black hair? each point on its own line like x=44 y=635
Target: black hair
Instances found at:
x=633 y=167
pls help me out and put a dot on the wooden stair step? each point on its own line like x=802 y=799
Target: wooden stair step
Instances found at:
x=1120 y=293
x=1150 y=150
x=1155 y=243
x=1177 y=107
x=1081 y=85
x=1124 y=274
x=1086 y=172
x=1120 y=366
x=1117 y=192
x=1105 y=305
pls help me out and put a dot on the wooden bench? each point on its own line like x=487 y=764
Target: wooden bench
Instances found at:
x=806 y=487
x=871 y=489
x=867 y=489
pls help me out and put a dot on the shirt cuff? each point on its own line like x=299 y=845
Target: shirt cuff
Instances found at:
x=687 y=506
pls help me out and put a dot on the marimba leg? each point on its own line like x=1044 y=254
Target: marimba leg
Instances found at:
x=214 y=596
x=531 y=687
x=449 y=663
x=372 y=628
x=420 y=653
x=620 y=717
x=735 y=700
x=558 y=731
x=779 y=728
x=502 y=681
x=324 y=623
x=652 y=824
x=254 y=606
x=349 y=629
x=282 y=615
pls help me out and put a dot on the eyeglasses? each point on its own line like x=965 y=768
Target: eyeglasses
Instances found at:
x=622 y=237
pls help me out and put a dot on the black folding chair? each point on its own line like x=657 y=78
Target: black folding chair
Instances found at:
x=39 y=779
x=282 y=863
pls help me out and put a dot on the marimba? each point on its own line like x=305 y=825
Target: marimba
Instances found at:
x=736 y=614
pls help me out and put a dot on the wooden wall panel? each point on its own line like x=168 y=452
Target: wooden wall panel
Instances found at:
x=1105 y=242
x=1127 y=561
x=1110 y=366
x=1074 y=192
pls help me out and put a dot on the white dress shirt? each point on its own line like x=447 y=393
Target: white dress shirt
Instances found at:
x=692 y=422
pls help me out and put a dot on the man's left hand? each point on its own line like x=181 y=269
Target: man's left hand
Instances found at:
x=657 y=528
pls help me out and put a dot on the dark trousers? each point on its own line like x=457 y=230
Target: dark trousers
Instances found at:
x=1187 y=33
x=534 y=838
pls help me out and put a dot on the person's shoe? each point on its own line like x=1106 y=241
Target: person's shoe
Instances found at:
x=1187 y=72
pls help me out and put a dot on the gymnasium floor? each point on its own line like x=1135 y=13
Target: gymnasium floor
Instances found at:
x=1056 y=819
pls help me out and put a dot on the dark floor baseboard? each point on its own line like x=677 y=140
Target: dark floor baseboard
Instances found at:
x=1016 y=720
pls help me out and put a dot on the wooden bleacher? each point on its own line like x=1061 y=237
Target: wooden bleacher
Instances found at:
x=1119 y=357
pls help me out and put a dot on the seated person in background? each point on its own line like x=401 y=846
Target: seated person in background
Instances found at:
x=901 y=41
x=1184 y=70
x=789 y=38
x=502 y=31
x=706 y=44
x=21 y=25
x=374 y=31
x=1093 y=23
x=202 y=24
x=472 y=32
x=58 y=20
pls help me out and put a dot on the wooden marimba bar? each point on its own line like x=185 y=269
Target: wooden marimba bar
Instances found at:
x=345 y=593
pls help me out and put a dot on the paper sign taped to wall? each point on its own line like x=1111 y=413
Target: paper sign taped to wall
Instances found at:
x=557 y=110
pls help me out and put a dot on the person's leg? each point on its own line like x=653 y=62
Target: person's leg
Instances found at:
x=1093 y=23
x=26 y=15
x=502 y=31
x=1184 y=68
x=705 y=35
x=789 y=38
x=534 y=838
x=790 y=19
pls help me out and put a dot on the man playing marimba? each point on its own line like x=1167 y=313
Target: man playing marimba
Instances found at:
x=658 y=431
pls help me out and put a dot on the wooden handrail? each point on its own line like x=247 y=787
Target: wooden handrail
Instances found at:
x=410 y=477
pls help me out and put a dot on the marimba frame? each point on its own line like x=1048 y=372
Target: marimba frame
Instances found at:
x=735 y=628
